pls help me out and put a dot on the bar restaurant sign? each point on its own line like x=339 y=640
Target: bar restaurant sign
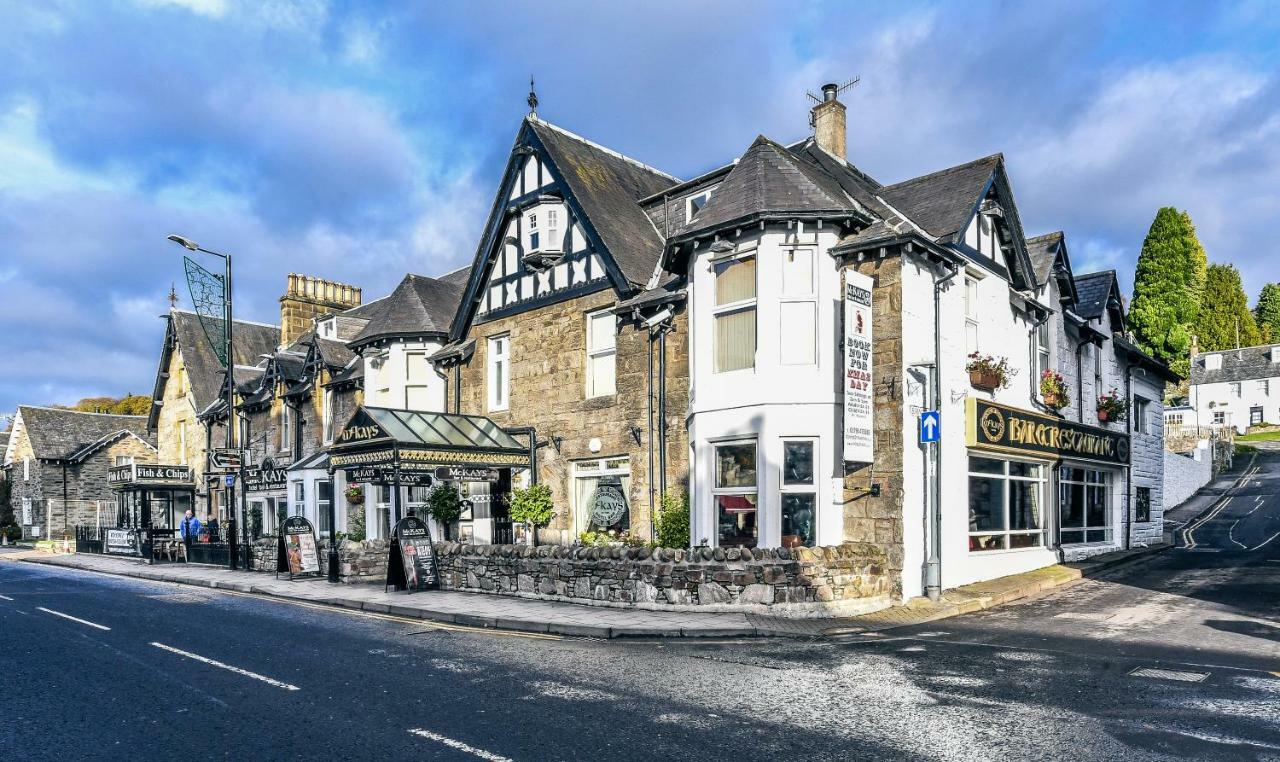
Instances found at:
x=859 y=391
x=1022 y=432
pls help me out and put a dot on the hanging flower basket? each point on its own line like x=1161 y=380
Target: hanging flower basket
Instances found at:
x=354 y=495
x=1112 y=407
x=988 y=373
x=1053 y=390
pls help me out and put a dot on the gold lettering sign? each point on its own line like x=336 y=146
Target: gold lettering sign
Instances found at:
x=999 y=427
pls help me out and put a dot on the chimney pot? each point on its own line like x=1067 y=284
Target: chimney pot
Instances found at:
x=828 y=118
x=829 y=91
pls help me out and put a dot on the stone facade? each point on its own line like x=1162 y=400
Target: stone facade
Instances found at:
x=870 y=519
x=548 y=391
x=180 y=436
x=307 y=298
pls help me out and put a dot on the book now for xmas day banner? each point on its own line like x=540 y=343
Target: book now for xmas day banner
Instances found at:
x=859 y=441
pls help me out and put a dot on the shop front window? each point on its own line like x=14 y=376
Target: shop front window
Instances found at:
x=324 y=500
x=735 y=495
x=1006 y=499
x=1083 y=505
x=601 y=490
x=799 y=493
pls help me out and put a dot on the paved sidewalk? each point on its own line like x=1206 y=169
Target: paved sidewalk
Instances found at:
x=526 y=615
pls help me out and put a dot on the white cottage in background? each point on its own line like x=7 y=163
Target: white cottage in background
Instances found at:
x=1235 y=387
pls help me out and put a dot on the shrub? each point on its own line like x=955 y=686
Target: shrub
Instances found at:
x=606 y=539
x=444 y=504
x=672 y=522
x=532 y=505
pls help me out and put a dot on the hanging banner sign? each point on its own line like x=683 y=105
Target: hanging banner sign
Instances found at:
x=411 y=564
x=296 y=551
x=266 y=477
x=859 y=389
x=123 y=542
x=1024 y=432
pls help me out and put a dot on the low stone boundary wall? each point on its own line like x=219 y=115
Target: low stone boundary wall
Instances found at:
x=360 y=561
x=850 y=578
x=1184 y=474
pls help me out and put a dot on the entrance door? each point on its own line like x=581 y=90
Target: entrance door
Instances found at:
x=500 y=509
x=1255 y=416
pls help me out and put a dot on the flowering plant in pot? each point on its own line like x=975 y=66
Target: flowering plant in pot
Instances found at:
x=354 y=495
x=1053 y=389
x=987 y=372
x=1111 y=407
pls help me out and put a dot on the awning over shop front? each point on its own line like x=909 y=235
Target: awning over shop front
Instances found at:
x=408 y=441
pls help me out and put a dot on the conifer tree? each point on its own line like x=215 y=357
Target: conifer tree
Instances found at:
x=1225 y=321
x=1267 y=313
x=1167 y=288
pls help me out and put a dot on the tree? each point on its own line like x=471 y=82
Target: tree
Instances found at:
x=1167 y=288
x=130 y=404
x=1225 y=321
x=1267 y=313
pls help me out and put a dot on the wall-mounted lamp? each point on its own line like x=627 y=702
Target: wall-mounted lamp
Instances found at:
x=637 y=433
x=556 y=442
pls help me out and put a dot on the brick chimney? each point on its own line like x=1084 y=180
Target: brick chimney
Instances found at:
x=828 y=122
x=306 y=298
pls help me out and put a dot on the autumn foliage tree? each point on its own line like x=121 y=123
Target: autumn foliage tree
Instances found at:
x=1168 y=288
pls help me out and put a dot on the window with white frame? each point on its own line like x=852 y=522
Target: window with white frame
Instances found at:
x=734 y=313
x=1140 y=407
x=799 y=493
x=601 y=490
x=499 y=371
x=798 y=309
x=1042 y=357
x=1006 y=504
x=1084 y=505
x=1219 y=417
x=326 y=416
x=542 y=228
x=324 y=501
x=1235 y=389
x=971 y=315
x=694 y=203
x=124 y=460
x=734 y=494
x=1264 y=387
x=533 y=236
x=552 y=241
x=602 y=350
x=417 y=392
x=1174 y=419
x=299 y=499
x=286 y=428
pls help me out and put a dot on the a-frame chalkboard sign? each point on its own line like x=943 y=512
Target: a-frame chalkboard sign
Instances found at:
x=296 y=551
x=411 y=564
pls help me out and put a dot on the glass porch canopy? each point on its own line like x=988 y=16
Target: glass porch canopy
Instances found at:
x=388 y=440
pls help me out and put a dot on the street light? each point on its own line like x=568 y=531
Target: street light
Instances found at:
x=191 y=245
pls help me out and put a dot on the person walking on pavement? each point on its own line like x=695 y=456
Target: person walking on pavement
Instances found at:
x=189 y=528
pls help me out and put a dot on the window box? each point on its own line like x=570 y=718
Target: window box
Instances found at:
x=988 y=373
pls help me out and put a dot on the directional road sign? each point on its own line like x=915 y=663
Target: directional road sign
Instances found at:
x=930 y=426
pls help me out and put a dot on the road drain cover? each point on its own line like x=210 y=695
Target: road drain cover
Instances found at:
x=1170 y=674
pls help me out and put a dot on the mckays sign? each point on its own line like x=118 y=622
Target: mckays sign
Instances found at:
x=1023 y=432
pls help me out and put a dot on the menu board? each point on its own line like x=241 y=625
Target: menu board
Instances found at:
x=122 y=541
x=411 y=565
x=297 y=553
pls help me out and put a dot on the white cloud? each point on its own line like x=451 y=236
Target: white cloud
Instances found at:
x=211 y=8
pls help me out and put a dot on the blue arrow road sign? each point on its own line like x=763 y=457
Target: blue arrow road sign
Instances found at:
x=231 y=480
x=930 y=426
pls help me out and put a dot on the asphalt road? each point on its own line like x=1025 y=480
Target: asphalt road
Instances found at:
x=195 y=674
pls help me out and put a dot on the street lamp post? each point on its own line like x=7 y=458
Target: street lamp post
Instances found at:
x=190 y=245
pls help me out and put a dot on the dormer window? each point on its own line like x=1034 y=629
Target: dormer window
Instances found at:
x=1213 y=362
x=542 y=229
x=694 y=203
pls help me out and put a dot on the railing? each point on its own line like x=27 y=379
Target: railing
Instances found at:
x=213 y=553
x=89 y=539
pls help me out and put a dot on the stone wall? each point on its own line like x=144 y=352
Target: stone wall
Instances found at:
x=849 y=578
x=1184 y=474
x=548 y=391
x=869 y=519
x=364 y=561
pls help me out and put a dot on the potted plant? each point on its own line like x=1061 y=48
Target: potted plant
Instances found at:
x=444 y=504
x=987 y=372
x=532 y=506
x=354 y=495
x=1111 y=407
x=1053 y=389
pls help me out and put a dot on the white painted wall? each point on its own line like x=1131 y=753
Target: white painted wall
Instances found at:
x=771 y=401
x=1208 y=399
x=1184 y=474
x=401 y=378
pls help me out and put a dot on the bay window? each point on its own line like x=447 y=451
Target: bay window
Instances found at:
x=798 y=309
x=1006 y=504
x=734 y=314
x=734 y=494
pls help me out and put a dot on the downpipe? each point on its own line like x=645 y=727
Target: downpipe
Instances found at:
x=933 y=566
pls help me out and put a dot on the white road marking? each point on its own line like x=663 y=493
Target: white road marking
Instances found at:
x=1231 y=535
x=5 y=597
x=74 y=619
x=1269 y=539
x=459 y=745
x=228 y=667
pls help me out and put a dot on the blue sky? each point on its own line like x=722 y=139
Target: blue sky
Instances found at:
x=359 y=141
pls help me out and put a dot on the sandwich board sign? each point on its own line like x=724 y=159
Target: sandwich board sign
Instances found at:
x=296 y=551
x=411 y=564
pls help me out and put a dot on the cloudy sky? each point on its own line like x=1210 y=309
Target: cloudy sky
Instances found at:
x=359 y=142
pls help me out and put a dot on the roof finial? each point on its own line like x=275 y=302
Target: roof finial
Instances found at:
x=532 y=100
x=173 y=296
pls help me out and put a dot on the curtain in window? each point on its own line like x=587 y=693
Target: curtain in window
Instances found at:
x=736 y=340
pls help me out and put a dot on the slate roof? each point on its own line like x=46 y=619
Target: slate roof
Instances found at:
x=1245 y=364
x=1092 y=291
x=57 y=434
x=1043 y=251
x=943 y=202
x=418 y=306
x=249 y=342
x=609 y=187
x=769 y=179
x=1135 y=351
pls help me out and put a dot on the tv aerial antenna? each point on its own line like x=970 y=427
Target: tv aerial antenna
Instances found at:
x=830 y=92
